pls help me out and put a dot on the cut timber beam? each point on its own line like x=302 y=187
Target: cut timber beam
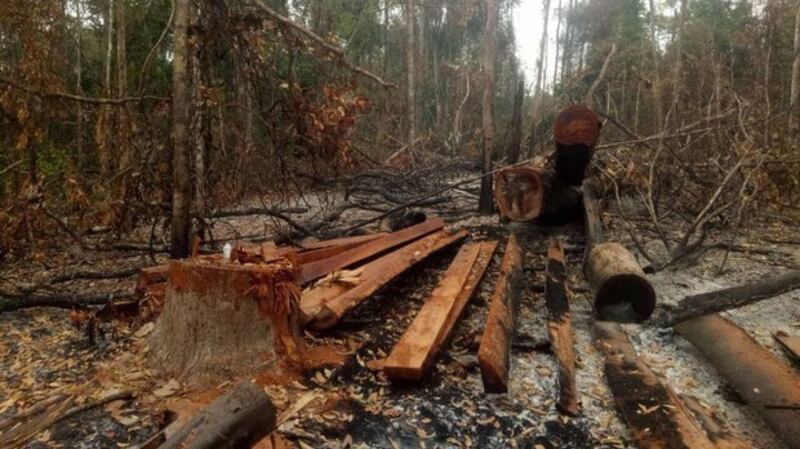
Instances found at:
x=621 y=291
x=328 y=310
x=718 y=434
x=768 y=386
x=414 y=354
x=341 y=241
x=347 y=243
x=789 y=344
x=728 y=298
x=239 y=418
x=559 y=328
x=655 y=416
x=318 y=269
x=152 y=275
x=493 y=353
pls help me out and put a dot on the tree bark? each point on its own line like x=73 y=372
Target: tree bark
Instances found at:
x=486 y=201
x=123 y=117
x=533 y=139
x=411 y=102
x=512 y=155
x=239 y=418
x=559 y=328
x=795 y=87
x=181 y=98
x=621 y=291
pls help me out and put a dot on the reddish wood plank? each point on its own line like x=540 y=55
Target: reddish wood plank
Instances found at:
x=341 y=241
x=151 y=275
x=493 y=353
x=559 y=328
x=416 y=350
x=314 y=255
x=789 y=343
x=318 y=269
x=377 y=274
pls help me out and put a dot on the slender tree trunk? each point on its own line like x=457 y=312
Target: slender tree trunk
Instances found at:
x=678 y=74
x=122 y=143
x=486 y=201
x=533 y=139
x=512 y=154
x=181 y=98
x=558 y=36
x=795 y=88
x=104 y=122
x=79 y=80
x=411 y=112
x=656 y=70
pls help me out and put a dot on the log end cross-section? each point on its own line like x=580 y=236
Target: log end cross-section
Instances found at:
x=416 y=351
x=493 y=353
x=519 y=193
x=622 y=293
x=576 y=131
x=559 y=328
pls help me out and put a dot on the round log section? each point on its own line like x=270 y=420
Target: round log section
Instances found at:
x=621 y=291
x=215 y=323
x=577 y=129
x=519 y=193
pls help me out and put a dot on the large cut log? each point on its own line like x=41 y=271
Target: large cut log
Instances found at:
x=214 y=326
x=790 y=344
x=728 y=298
x=325 y=311
x=238 y=419
x=415 y=352
x=769 y=387
x=494 y=351
x=559 y=328
x=576 y=131
x=621 y=291
x=655 y=416
x=535 y=192
x=318 y=269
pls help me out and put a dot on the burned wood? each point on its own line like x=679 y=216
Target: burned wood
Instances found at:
x=592 y=220
x=324 y=308
x=14 y=301
x=729 y=298
x=717 y=433
x=559 y=328
x=655 y=416
x=241 y=417
x=535 y=192
x=576 y=131
x=621 y=291
x=768 y=386
x=316 y=270
x=495 y=345
x=416 y=350
x=790 y=344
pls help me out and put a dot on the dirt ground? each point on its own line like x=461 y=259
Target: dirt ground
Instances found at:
x=42 y=355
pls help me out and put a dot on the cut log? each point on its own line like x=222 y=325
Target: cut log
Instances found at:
x=769 y=387
x=729 y=298
x=789 y=344
x=621 y=291
x=239 y=418
x=719 y=435
x=519 y=193
x=493 y=353
x=327 y=311
x=416 y=350
x=212 y=326
x=655 y=416
x=592 y=221
x=316 y=270
x=559 y=328
x=576 y=131
x=151 y=275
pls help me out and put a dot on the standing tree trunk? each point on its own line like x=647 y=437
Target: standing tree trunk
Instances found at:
x=533 y=139
x=181 y=181
x=102 y=132
x=558 y=47
x=795 y=88
x=411 y=113
x=678 y=75
x=486 y=201
x=516 y=124
x=79 y=80
x=123 y=117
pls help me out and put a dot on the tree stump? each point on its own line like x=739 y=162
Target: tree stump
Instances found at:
x=223 y=319
x=576 y=131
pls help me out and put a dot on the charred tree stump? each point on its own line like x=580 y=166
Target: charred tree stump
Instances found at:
x=576 y=131
x=216 y=319
x=493 y=353
x=621 y=291
x=559 y=328
x=239 y=418
x=769 y=387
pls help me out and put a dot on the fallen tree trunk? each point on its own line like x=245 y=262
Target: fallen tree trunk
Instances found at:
x=325 y=308
x=655 y=416
x=729 y=298
x=621 y=291
x=416 y=350
x=535 y=192
x=239 y=418
x=493 y=353
x=576 y=131
x=559 y=328
x=769 y=387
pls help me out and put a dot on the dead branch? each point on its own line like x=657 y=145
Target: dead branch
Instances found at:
x=16 y=301
x=80 y=98
x=590 y=94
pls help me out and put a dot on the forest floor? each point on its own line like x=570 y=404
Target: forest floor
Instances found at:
x=43 y=355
